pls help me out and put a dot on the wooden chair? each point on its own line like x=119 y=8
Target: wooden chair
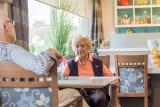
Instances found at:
x=104 y=59
x=132 y=70
x=13 y=76
x=113 y=88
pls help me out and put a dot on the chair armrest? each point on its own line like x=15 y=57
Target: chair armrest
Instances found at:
x=72 y=101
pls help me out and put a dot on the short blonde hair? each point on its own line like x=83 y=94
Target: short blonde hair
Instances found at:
x=79 y=38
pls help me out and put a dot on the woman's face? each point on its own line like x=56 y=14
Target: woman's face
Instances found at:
x=82 y=49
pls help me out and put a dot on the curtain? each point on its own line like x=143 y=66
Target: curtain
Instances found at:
x=78 y=7
x=97 y=30
x=18 y=11
x=54 y=3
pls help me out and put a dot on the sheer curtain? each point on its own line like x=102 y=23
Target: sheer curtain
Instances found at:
x=97 y=30
x=81 y=7
x=18 y=11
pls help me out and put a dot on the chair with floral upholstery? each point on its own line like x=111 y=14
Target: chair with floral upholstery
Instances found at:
x=21 y=88
x=132 y=70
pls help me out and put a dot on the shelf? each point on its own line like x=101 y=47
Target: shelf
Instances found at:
x=139 y=18
x=137 y=6
x=142 y=6
x=155 y=5
x=124 y=7
x=140 y=25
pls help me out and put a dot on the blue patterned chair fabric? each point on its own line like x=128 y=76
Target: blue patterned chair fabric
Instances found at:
x=28 y=97
x=38 y=91
x=131 y=80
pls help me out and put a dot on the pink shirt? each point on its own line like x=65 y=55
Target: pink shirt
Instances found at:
x=86 y=69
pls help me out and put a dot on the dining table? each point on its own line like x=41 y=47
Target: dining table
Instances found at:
x=86 y=82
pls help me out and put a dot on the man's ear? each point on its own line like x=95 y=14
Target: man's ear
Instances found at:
x=6 y=28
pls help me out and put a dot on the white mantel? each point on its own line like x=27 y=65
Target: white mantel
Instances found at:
x=123 y=51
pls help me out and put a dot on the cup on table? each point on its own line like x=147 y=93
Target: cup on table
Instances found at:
x=152 y=43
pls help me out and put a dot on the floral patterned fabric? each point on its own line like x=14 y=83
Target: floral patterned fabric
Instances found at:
x=131 y=80
x=26 y=97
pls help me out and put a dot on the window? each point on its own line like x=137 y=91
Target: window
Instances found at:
x=41 y=23
x=82 y=25
x=39 y=26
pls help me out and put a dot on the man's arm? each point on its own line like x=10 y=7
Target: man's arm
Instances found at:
x=39 y=64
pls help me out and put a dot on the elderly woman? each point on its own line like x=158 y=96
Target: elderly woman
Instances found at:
x=85 y=65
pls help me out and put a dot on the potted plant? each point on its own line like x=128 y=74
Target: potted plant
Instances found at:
x=62 y=26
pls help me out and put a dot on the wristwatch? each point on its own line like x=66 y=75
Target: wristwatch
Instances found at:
x=53 y=58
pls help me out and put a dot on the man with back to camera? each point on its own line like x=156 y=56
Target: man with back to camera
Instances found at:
x=39 y=64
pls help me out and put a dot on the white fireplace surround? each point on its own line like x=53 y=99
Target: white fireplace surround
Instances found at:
x=135 y=40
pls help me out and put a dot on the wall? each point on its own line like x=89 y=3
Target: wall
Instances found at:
x=108 y=17
x=132 y=40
